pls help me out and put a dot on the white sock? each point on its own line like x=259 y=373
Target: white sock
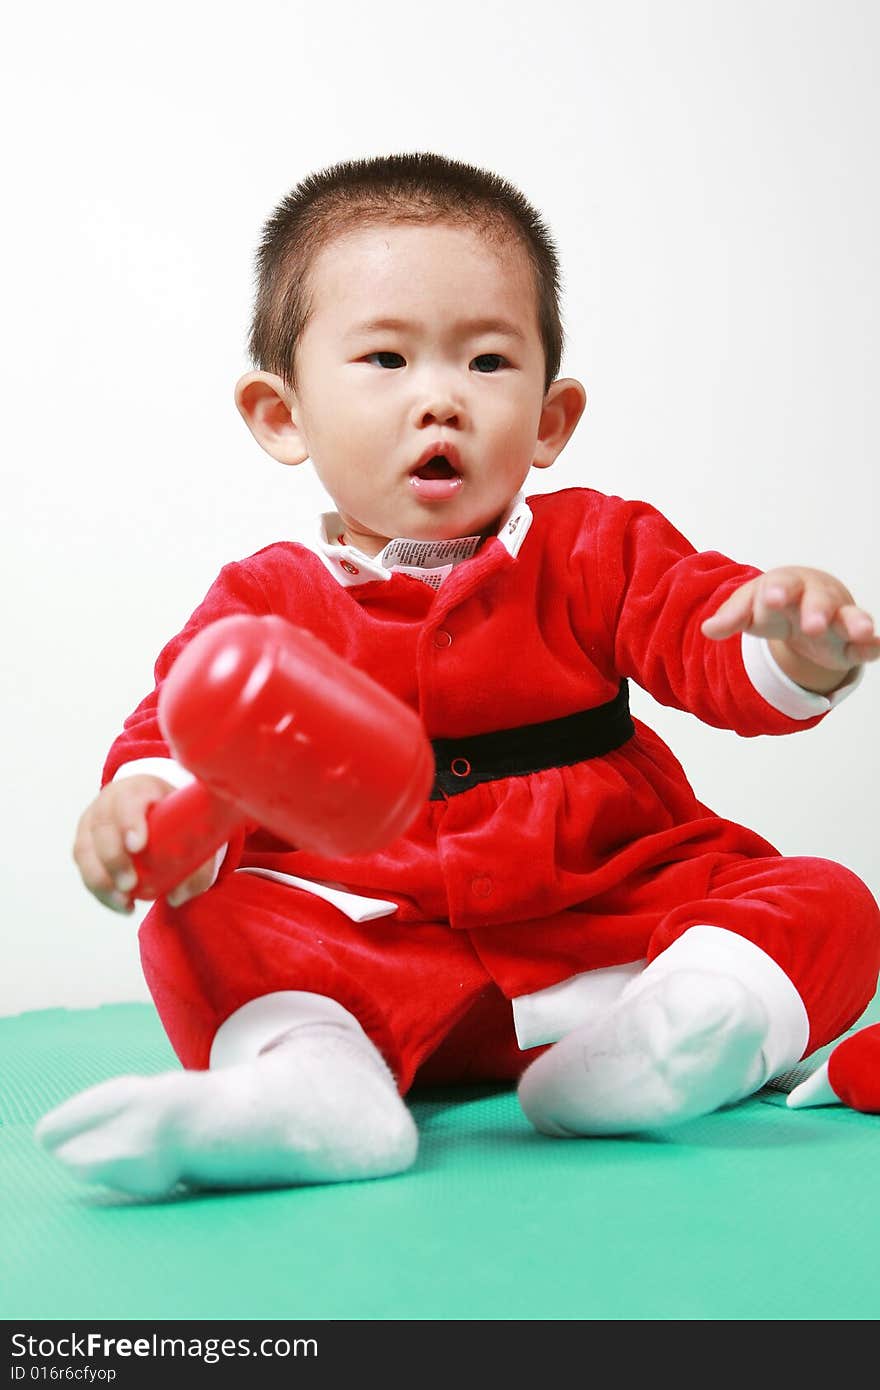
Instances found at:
x=707 y=1023
x=314 y=1103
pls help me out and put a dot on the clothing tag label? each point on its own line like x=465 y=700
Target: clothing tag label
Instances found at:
x=432 y=577
x=430 y=555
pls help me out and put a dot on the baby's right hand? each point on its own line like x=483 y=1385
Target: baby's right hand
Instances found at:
x=113 y=828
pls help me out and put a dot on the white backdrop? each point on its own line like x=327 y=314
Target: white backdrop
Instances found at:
x=709 y=170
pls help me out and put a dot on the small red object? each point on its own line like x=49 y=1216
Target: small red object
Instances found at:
x=280 y=732
x=854 y=1070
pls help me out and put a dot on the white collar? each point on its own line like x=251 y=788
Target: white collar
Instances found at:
x=430 y=561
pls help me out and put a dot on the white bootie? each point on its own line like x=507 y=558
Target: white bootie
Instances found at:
x=304 y=1098
x=684 y=1046
x=707 y=1023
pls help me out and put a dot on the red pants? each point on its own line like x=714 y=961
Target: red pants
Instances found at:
x=422 y=992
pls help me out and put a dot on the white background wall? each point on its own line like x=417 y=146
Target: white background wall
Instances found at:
x=709 y=170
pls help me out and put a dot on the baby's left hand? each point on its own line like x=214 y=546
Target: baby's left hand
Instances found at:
x=807 y=611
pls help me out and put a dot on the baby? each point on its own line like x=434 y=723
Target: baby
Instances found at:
x=564 y=912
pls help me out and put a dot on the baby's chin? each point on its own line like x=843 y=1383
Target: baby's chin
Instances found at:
x=420 y=523
x=448 y=523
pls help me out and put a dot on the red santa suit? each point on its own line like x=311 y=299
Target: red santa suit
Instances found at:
x=512 y=905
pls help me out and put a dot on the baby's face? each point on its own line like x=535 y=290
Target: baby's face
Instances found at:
x=456 y=369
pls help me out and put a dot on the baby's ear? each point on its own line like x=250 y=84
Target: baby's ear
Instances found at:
x=564 y=405
x=265 y=404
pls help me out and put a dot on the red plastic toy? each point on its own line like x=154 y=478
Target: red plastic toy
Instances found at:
x=850 y=1076
x=279 y=732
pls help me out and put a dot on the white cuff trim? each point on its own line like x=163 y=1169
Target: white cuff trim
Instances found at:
x=724 y=952
x=780 y=691
x=250 y=1030
x=166 y=768
x=548 y=1014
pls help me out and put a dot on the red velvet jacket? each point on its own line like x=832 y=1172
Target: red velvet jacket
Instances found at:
x=601 y=588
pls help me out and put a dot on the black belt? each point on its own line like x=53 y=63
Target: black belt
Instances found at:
x=463 y=763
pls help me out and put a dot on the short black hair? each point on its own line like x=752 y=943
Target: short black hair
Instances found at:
x=403 y=188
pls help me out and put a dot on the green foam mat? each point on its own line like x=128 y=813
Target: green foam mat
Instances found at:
x=756 y=1212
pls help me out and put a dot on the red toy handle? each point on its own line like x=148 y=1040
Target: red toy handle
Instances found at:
x=183 y=830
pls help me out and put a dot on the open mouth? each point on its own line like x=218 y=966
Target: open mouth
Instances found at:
x=436 y=479
x=438 y=466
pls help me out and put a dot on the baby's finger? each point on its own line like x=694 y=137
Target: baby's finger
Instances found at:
x=817 y=609
x=857 y=653
x=855 y=623
x=765 y=607
x=778 y=589
x=134 y=804
x=98 y=881
x=110 y=850
x=198 y=882
x=733 y=616
x=106 y=839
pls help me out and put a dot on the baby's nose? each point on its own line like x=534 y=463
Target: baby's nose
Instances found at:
x=439 y=407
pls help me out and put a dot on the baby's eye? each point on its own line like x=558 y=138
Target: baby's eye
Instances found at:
x=489 y=357
x=399 y=362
